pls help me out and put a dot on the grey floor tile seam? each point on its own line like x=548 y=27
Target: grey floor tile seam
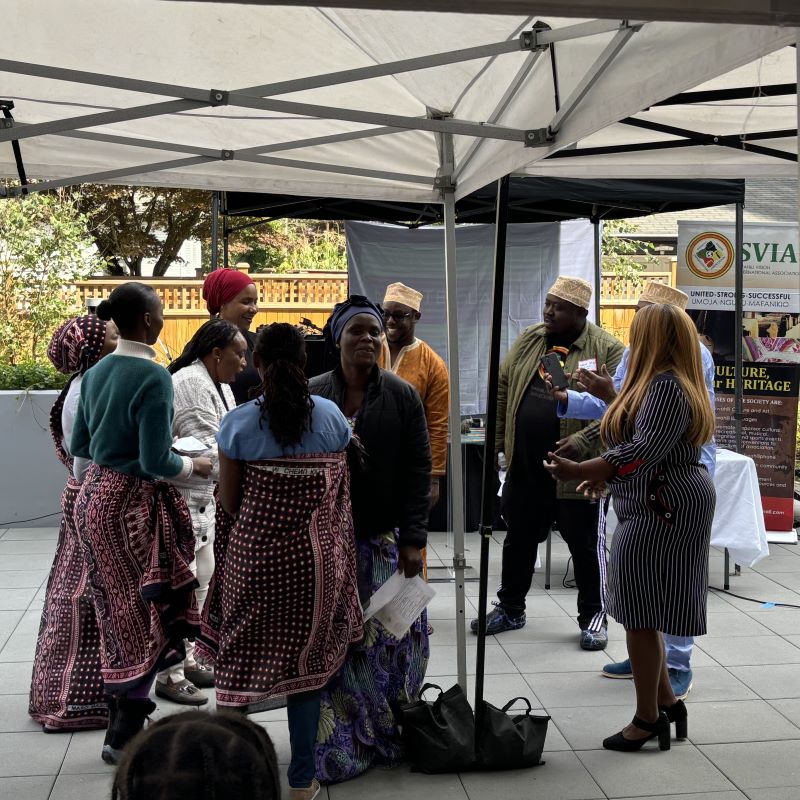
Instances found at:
x=746 y=792
x=771 y=704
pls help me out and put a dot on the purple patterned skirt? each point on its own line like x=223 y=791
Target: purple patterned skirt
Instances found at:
x=67 y=687
x=358 y=724
x=138 y=542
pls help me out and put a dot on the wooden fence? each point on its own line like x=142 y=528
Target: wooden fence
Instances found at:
x=290 y=297
x=285 y=297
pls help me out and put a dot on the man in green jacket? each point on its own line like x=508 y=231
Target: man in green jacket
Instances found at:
x=528 y=427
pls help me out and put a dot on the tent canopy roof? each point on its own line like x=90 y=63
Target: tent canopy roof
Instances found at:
x=384 y=105
x=530 y=200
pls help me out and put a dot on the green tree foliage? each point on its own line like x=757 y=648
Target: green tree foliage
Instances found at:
x=624 y=256
x=287 y=245
x=130 y=224
x=44 y=249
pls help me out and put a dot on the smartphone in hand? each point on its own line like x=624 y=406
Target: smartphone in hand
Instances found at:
x=552 y=365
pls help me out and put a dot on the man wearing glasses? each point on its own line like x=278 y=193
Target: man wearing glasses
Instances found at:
x=416 y=362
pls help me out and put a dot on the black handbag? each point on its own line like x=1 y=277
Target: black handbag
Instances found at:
x=439 y=736
x=504 y=741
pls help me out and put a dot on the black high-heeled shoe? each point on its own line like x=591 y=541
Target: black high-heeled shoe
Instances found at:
x=660 y=728
x=678 y=714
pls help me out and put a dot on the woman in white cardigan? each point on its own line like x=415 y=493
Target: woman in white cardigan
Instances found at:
x=201 y=378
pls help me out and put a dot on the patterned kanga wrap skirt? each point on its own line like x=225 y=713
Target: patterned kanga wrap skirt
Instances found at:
x=67 y=688
x=138 y=543
x=358 y=725
x=283 y=607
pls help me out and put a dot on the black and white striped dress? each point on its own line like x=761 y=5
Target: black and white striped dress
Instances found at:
x=664 y=500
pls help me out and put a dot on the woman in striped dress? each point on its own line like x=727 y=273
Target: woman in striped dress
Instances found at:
x=664 y=499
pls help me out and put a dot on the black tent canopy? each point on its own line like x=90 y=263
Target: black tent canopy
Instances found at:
x=530 y=200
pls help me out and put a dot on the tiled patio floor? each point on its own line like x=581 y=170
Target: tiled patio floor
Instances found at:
x=744 y=711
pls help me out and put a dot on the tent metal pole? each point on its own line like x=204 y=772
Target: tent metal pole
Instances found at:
x=108 y=176
x=456 y=461
x=215 y=230
x=592 y=76
x=598 y=268
x=738 y=312
x=225 y=229
x=489 y=474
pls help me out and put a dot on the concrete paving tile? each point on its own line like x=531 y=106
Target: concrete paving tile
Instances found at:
x=651 y=772
x=34 y=788
x=15 y=563
x=736 y=623
x=29 y=534
x=496 y=690
x=766 y=591
x=553 y=657
x=14 y=714
x=584 y=728
x=83 y=754
x=403 y=785
x=445 y=632
x=15 y=547
x=9 y=620
x=543 y=629
x=784 y=621
x=24 y=579
x=442 y=607
x=575 y=689
x=24 y=754
x=19 y=647
x=778 y=793
x=16 y=599
x=716 y=684
x=776 y=562
x=562 y=777
x=83 y=787
x=744 y=651
x=786 y=580
x=278 y=731
x=757 y=765
x=15 y=677
x=771 y=682
x=538 y=605
x=29 y=622
x=717 y=603
x=443 y=660
x=790 y=708
x=738 y=721
x=734 y=794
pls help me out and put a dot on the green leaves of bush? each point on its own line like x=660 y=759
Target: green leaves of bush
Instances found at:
x=27 y=376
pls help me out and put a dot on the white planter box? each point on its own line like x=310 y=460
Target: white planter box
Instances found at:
x=31 y=476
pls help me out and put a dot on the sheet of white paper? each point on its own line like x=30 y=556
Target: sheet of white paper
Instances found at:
x=384 y=595
x=402 y=610
x=189 y=446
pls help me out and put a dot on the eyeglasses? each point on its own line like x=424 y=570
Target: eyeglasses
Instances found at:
x=397 y=316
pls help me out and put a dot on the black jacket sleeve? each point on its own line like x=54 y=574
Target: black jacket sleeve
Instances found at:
x=416 y=484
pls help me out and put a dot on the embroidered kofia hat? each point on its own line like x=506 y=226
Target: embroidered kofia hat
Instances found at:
x=405 y=295
x=574 y=290
x=661 y=293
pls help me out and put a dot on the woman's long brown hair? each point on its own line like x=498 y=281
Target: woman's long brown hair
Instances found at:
x=663 y=340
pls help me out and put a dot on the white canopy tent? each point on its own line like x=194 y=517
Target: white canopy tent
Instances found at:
x=342 y=103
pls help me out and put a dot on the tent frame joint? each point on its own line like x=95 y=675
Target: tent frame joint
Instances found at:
x=529 y=40
x=227 y=155
x=538 y=137
x=218 y=97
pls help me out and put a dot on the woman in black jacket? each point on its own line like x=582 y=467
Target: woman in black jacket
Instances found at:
x=390 y=494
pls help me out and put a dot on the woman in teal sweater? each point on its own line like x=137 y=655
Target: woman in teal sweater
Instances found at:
x=134 y=527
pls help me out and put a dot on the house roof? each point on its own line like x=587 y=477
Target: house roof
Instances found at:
x=766 y=200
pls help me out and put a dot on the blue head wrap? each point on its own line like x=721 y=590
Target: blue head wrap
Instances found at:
x=354 y=305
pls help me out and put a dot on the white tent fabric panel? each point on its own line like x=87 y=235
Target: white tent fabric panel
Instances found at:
x=737 y=117
x=208 y=46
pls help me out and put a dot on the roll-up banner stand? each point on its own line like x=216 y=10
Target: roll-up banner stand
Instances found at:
x=770 y=331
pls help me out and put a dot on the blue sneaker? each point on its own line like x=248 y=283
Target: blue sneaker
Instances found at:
x=594 y=640
x=619 y=669
x=681 y=682
x=499 y=620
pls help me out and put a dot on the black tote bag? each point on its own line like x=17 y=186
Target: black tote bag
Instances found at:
x=504 y=741
x=439 y=736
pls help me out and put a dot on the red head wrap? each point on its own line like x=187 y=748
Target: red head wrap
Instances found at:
x=221 y=286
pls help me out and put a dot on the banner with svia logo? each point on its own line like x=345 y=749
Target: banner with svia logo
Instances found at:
x=770 y=331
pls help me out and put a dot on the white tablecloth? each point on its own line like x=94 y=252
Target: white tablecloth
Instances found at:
x=738 y=519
